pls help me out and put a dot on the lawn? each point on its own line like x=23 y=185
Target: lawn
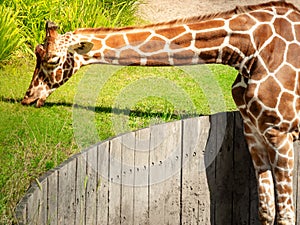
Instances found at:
x=116 y=99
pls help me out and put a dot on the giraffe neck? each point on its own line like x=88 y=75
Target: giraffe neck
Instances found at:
x=215 y=40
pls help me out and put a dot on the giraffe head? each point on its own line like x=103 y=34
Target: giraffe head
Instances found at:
x=56 y=62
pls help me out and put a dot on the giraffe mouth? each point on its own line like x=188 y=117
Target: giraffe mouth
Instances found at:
x=31 y=101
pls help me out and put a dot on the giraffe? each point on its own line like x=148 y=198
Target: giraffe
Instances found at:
x=261 y=41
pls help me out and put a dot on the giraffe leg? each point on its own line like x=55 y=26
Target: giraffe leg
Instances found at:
x=263 y=171
x=266 y=197
x=260 y=159
x=281 y=155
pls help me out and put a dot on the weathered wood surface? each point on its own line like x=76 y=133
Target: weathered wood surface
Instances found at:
x=193 y=171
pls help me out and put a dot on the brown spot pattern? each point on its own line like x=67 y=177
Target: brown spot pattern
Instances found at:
x=281 y=11
x=207 y=25
x=137 y=38
x=293 y=55
x=268 y=92
x=243 y=43
x=230 y=56
x=267 y=118
x=262 y=34
x=100 y=36
x=97 y=55
x=161 y=59
x=297 y=31
x=115 y=41
x=273 y=54
x=241 y=23
x=284 y=29
x=153 y=45
x=183 y=57
x=208 y=56
x=58 y=76
x=171 y=32
x=262 y=17
x=237 y=92
x=129 y=57
x=286 y=76
x=210 y=39
x=285 y=106
x=250 y=92
x=255 y=156
x=255 y=109
x=257 y=70
x=182 y=41
x=294 y=16
x=109 y=55
x=97 y=44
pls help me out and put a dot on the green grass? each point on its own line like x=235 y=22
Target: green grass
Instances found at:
x=33 y=140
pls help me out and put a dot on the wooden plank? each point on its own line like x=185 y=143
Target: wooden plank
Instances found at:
x=42 y=185
x=224 y=169
x=33 y=201
x=36 y=202
x=156 y=191
x=244 y=177
x=21 y=211
x=52 y=187
x=253 y=198
x=102 y=183
x=165 y=161
x=195 y=191
x=80 y=189
x=297 y=181
x=91 y=186
x=115 y=170
x=141 y=176
x=210 y=155
x=66 y=192
x=241 y=176
x=127 y=189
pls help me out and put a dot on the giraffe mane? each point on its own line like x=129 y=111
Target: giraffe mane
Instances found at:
x=237 y=10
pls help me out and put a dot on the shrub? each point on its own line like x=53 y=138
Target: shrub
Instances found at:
x=69 y=15
x=10 y=34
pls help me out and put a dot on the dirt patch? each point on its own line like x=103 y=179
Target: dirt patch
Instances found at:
x=164 y=10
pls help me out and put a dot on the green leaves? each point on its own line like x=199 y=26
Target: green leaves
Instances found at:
x=31 y=16
x=10 y=34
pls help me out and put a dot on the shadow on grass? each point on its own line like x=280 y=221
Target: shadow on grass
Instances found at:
x=10 y=100
x=101 y=109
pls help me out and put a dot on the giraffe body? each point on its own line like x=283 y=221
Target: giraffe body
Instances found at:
x=262 y=42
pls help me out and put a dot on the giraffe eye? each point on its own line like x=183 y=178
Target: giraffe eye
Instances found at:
x=54 y=60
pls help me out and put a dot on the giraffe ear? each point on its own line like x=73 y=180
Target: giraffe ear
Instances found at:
x=81 y=48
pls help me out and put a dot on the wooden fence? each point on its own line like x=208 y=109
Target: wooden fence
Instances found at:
x=193 y=171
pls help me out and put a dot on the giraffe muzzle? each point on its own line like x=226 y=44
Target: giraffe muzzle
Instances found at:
x=28 y=100
x=31 y=101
